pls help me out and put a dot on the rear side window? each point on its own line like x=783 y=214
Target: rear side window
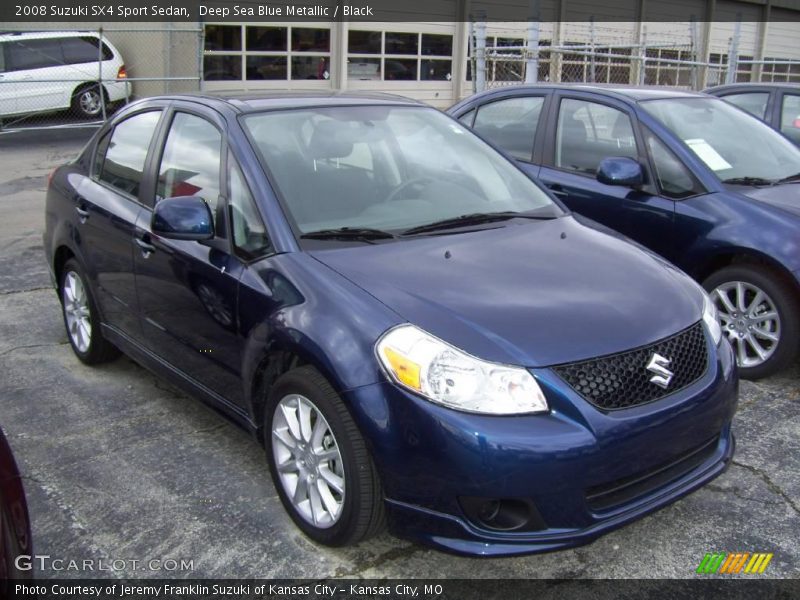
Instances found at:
x=511 y=124
x=588 y=132
x=190 y=165
x=790 y=117
x=122 y=162
x=22 y=55
x=753 y=102
x=83 y=50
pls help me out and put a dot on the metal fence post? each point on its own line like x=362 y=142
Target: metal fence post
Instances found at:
x=100 y=72
x=592 y=59
x=480 y=56
x=643 y=55
x=532 y=63
x=733 y=51
x=693 y=53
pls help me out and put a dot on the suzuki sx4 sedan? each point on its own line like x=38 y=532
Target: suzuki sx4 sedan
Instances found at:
x=416 y=331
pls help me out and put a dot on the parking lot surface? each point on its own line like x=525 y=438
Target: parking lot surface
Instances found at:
x=118 y=465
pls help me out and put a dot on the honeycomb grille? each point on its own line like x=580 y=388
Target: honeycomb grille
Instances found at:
x=623 y=380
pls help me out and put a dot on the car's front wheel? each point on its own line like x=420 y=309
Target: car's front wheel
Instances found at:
x=319 y=461
x=759 y=314
x=81 y=318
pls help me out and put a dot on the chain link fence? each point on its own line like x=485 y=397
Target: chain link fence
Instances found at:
x=610 y=57
x=54 y=79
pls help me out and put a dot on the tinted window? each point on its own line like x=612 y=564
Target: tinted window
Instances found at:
x=127 y=150
x=190 y=164
x=511 y=124
x=674 y=179
x=33 y=54
x=790 y=116
x=248 y=231
x=753 y=102
x=83 y=50
x=589 y=132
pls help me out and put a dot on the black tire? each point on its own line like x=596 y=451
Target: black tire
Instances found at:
x=87 y=101
x=98 y=349
x=362 y=514
x=784 y=297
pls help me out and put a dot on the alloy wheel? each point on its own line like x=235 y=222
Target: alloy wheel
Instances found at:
x=750 y=319
x=90 y=102
x=77 y=312
x=308 y=461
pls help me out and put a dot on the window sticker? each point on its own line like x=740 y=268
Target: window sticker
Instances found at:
x=708 y=155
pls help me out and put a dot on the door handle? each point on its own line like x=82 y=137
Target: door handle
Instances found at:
x=146 y=247
x=83 y=214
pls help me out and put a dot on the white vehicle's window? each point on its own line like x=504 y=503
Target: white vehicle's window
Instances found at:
x=753 y=102
x=790 y=116
x=511 y=124
x=737 y=147
x=84 y=49
x=33 y=54
x=387 y=168
x=588 y=132
x=120 y=157
x=190 y=165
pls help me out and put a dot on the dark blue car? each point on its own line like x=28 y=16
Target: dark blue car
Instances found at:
x=417 y=332
x=705 y=185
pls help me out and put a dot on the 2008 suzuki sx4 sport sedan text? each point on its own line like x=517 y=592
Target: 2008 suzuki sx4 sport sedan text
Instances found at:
x=418 y=333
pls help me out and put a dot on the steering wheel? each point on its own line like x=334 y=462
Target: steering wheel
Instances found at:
x=397 y=192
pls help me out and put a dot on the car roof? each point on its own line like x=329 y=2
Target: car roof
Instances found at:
x=6 y=36
x=246 y=102
x=623 y=92
x=747 y=85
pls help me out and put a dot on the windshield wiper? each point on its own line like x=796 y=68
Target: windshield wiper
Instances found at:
x=748 y=181
x=789 y=179
x=349 y=233
x=471 y=219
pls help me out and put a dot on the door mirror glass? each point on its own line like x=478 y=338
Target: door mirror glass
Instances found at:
x=620 y=170
x=183 y=218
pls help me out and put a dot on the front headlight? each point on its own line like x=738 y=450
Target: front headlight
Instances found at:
x=446 y=375
x=711 y=318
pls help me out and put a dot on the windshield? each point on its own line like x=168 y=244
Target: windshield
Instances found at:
x=732 y=143
x=388 y=168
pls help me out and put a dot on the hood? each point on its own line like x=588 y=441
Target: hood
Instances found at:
x=532 y=293
x=785 y=196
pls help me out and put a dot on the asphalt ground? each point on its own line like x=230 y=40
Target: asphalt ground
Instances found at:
x=118 y=465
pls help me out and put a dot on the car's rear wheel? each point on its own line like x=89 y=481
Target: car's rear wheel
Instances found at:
x=319 y=461
x=87 y=101
x=759 y=314
x=81 y=318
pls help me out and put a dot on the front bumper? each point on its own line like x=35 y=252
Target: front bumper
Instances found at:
x=430 y=457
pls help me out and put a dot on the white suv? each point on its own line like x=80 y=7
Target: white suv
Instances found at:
x=54 y=70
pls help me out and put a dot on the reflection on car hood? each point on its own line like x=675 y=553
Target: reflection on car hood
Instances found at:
x=785 y=196
x=530 y=293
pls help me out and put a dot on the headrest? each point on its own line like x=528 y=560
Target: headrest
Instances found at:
x=325 y=143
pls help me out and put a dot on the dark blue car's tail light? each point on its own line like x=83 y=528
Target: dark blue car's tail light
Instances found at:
x=623 y=380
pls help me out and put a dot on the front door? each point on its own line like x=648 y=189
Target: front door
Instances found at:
x=583 y=134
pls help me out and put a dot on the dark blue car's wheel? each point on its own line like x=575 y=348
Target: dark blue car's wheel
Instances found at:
x=319 y=462
x=81 y=318
x=759 y=315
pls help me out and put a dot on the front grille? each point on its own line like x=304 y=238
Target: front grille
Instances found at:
x=623 y=380
x=615 y=493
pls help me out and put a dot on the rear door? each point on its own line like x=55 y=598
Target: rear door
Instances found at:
x=107 y=206
x=188 y=289
x=582 y=131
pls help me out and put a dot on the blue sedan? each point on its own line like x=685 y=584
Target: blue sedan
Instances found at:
x=705 y=185
x=418 y=333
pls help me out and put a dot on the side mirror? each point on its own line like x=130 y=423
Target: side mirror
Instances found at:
x=619 y=170
x=183 y=218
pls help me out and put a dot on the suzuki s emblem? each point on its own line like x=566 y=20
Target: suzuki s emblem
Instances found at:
x=662 y=375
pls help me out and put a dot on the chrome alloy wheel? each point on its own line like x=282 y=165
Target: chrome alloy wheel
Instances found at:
x=76 y=311
x=308 y=461
x=90 y=102
x=750 y=320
